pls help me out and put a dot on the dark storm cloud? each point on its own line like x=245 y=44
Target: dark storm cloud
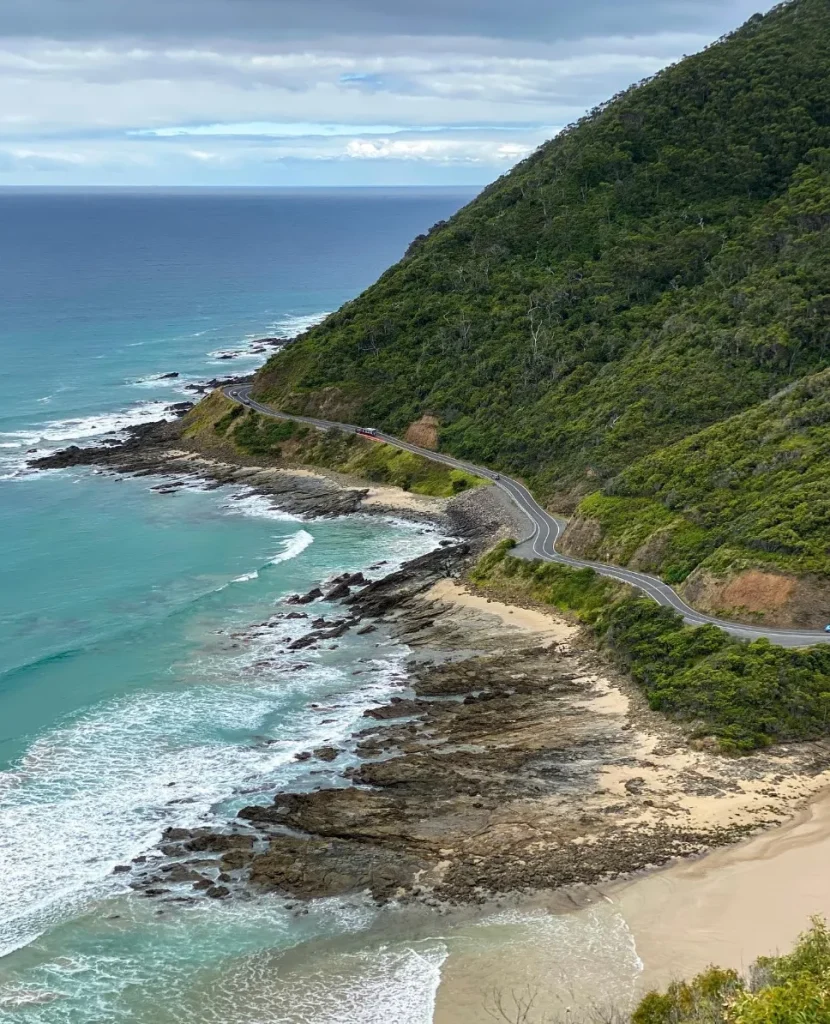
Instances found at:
x=270 y=20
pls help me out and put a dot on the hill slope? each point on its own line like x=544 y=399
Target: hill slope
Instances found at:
x=657 y=269
x=747 y=494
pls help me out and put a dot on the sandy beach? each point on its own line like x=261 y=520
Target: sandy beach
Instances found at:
x=621 y=939
x=545 y=625
x=734 y=905
x=727 y=908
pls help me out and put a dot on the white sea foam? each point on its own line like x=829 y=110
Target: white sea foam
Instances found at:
x=293 y=546
x=392 y=984
x=249 y=503
x=246 y=577
x=285 y=328
x=155 y=382
x=290 y=326
x=14 y=997
x=21 y=445
x=86 y=427
x=102 y=788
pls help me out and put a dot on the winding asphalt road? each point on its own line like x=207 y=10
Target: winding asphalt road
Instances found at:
x=547 y=530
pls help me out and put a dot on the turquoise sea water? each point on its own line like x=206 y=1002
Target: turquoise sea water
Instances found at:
x=125 y=702
x=133 y=693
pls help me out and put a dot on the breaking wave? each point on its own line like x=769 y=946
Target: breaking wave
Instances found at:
x=293 y=546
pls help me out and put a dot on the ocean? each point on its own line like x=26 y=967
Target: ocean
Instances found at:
x=132 y=696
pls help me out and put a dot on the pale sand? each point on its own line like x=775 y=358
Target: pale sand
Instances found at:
x=734 y=905
x=547 y=626
x=728 y=908
x=394 y=498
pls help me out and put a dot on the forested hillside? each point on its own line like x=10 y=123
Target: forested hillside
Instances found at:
x=656 y=269
x=754 y=487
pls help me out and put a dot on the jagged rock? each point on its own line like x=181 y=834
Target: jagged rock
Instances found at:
x=233 y=860
x=313 y=595
x=327 y=753
x=176 y=835
x=205 y=841
x=318 y=637
x=180 y=873
x=315 y=868
x=351 y=579
x=396 y=708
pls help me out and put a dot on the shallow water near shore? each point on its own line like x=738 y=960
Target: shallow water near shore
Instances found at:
x=126 y=702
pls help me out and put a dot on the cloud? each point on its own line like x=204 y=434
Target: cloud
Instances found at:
x=266 y=129
x=437 y=150
x=178 y=90
x=283 y=19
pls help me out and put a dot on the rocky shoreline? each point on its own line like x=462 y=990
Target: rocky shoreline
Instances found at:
x=514 y=760
x=509 y=764
x=158 y=449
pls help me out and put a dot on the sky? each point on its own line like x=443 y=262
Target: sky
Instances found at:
x=318 y=92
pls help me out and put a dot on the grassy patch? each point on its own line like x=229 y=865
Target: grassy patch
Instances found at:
x=222 y=424
x=207 y=414
x=262 y=435
x=288 y=442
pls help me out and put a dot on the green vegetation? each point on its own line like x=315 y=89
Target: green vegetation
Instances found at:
x=579 y=591
x=286 y=442
x=749 y=491
x=261 y=435
x=658 y=268
x=791 y=989
x=223 y=423
x=745 y=695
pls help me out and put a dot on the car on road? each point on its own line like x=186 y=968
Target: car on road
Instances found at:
x=369 y=431
x=827 y=629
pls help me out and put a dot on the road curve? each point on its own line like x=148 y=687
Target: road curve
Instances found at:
x=547 y=530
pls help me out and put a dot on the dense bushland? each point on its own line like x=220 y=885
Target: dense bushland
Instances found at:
x=746 y=695
x=752 y=490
